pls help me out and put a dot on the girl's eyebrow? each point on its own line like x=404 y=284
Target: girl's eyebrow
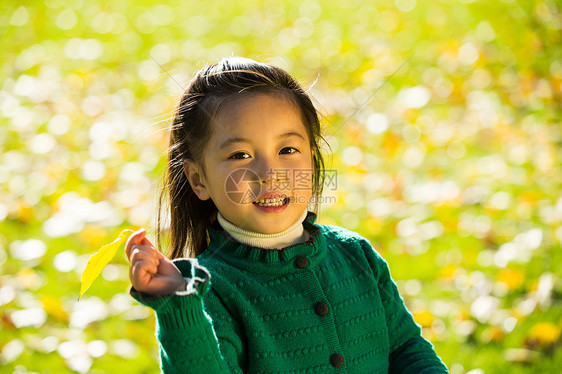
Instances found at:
x=292 y=133
x=229 y=141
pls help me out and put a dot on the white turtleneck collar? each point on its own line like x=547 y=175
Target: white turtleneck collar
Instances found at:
x=294 y=234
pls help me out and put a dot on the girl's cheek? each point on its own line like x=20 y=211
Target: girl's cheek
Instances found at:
x=302 y=180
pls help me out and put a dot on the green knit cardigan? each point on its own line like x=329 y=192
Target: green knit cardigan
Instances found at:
x=327 y=305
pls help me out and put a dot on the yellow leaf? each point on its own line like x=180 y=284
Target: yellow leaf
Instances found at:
x=98 y=260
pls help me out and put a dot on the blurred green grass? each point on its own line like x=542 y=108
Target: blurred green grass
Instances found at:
x=451 y=169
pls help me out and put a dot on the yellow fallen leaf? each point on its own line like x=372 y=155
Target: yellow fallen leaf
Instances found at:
x=98 y=260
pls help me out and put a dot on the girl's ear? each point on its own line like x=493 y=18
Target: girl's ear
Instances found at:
x=196 y=179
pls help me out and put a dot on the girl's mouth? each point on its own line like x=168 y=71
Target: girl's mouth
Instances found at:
x=277 y=201
x=273 y=205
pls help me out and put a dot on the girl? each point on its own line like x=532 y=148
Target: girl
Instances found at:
x=255 y=285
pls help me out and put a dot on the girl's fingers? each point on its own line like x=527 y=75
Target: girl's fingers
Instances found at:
x=135 y=238
x=145 y=253
x=149 y=248
x=145 y=241
x=142 y=273
x=145 y=263
x=138 y=238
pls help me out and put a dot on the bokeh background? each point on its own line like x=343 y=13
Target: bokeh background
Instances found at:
x=444 y=124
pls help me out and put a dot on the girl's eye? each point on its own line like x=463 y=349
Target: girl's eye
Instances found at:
x=239 y=156
x=289 y=150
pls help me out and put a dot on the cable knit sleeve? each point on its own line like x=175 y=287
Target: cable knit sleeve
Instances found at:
x=195 y=333
x=409 y=351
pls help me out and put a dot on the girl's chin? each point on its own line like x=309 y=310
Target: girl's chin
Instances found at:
x=272 y=224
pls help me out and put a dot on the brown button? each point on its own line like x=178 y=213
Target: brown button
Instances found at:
x=302 y=262
x=336 y=360
x=321 y=309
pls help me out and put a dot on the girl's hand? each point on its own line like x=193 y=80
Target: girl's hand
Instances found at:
x=149 y=270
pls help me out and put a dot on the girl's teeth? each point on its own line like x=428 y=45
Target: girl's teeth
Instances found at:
x=270 y=202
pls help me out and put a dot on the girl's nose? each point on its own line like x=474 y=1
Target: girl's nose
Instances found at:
x=267 y=171
x=268 y=176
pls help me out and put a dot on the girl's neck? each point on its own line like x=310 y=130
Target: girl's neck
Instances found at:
x=294 y=234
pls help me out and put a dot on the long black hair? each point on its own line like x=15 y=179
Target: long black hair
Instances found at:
x=212 y=86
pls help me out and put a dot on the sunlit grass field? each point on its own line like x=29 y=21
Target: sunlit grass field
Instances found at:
x=443 y=120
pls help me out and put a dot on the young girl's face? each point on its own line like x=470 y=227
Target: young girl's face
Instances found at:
x=259 y=149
